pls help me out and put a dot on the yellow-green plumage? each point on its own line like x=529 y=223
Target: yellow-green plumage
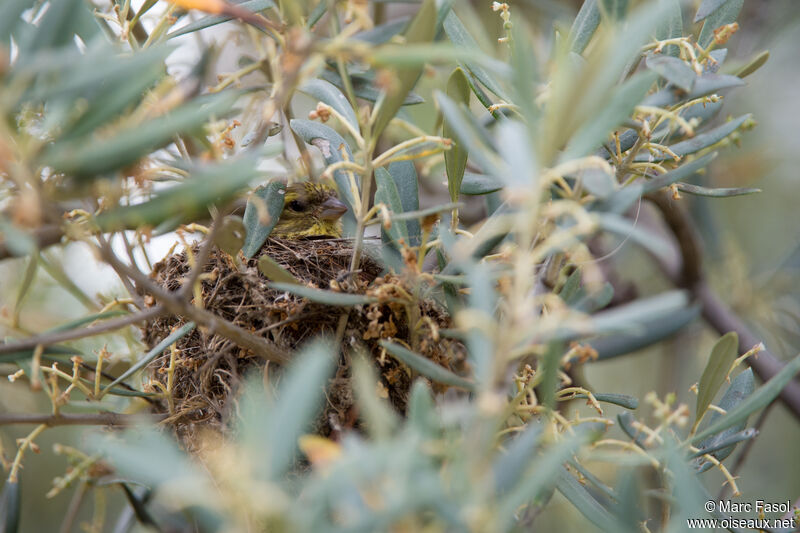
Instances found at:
x=310 y=210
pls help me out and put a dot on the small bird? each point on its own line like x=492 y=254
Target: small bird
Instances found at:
x=310 y=210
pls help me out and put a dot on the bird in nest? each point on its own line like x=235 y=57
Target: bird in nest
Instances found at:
x=310 y=210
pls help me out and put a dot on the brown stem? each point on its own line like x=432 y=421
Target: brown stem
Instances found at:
x=178 y=306
x=715 y=312
x=48 y=339
x=82 y=419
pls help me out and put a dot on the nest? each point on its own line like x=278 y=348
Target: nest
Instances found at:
x=209 y=368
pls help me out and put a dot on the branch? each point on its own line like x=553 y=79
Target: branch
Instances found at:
x=83 y=419
x=178 y=306
x=715 y=312
x=47 y=339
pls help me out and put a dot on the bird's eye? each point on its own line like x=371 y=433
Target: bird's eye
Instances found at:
x=296 y=205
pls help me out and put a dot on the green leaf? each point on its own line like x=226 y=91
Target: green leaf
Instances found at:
x=584 y=26
x=629 y=230
x=323 y=296
x=301 y=395
x=509 y=468
x=619 y=107
x=422 y=409
x=469 y=135
x=379 y=417
x=672 y=69
x=753 y=65
x=10 y=20
x=623 y=400
x=614 y=10
x=703 y=85
x=725 y=351
x=724 y=14
x=10 y=507
x=699 y=142
x=739 y=390
x=90 y=157
x=626 y=421
x=328 y=93
x=208 y=185
x=271 y=198
x=365 y=88
x=583 y=501
x=382 y=33
x=671 y=27
x=173 y=337
x=455 y=159
x=475 y=184
x=331 y=144
x=717 y=192
x=758 y=400
x=57 y=28
x=420 y=30
x=405 y=178
x=426 y=367
x=275 y=272
x=231 y=234
x=707 y=7
x=386 y=193
x=460 y=37
x=254 y=6
x=650 y=333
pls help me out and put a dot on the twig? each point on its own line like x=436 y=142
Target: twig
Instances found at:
x=47 y=339
x=715 y=312
x=176 y=305
x=201 y=258
x=81 y=419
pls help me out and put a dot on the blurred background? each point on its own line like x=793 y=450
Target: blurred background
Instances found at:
x=754 y=262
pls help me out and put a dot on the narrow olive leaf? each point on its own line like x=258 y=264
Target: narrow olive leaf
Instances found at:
x=626 y=423
x=468 y=133
x=719 y=364
x=699 y=142
x=758 y=400
x=726 y=13
x=703 y=86
x=455 y=159
x=671 y=27
x=672 y=69
x=328 y=93
x=420 y=30
x=509 y=468
x=753 y=65
x=254 y=6
x=739 y=390
x=322 y=296
x=620 y=106
x=173 y=337
x=727 y=442
x=405 y=178
x=231 y=234
x=614 y=9
x=139 y=508
x=83 y=321
x=10 y=19
x=474 y=184
x=584 y=26
x=331 y=144
x=365 y=88
x=386 y=193
x=57 y=28
x=317 y=14
x=623 y=400
x=651 y=333
x=422 y=213
x=210 y=185
x=10 y=507
x=421 y=412
x=716 y=192
x=583 y=500
x=379 y=417
x=274 y=272
x=270 y=197
x=382 y=33
x=636 y=233
x=460 y=37
x=539 y=476
x=426 y=367
x=707 y=8
x=682 y=172
x=90 y=157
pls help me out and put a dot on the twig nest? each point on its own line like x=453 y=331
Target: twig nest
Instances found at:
x=209 y=368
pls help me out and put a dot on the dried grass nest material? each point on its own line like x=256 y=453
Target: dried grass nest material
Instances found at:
x=210 y=368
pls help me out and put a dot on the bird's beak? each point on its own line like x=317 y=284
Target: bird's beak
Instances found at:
x=332 y=208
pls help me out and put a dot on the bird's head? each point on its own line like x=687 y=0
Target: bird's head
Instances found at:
x=310 y=210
